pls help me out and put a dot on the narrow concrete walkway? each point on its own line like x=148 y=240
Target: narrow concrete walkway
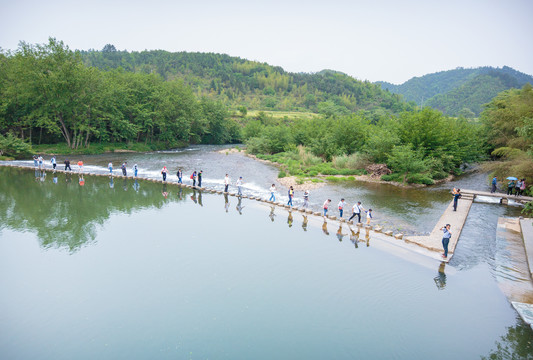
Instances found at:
x=456 y=219
x=524 y=305
x=496 y=195
x=526 y=226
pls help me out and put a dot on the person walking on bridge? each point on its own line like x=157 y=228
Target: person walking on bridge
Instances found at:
x=456 y=197
x=356 y=209
x=446 y=239
x=494 y=184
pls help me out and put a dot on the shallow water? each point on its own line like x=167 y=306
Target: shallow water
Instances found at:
x=137 y=269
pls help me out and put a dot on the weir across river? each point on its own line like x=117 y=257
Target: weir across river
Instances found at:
x=429 y=245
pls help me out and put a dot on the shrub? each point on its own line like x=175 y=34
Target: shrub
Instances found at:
x=419 y=179
x=282 y=174
x=392 y=177
x=13 y=146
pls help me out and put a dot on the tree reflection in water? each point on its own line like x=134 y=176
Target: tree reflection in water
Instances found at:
x=65 y=216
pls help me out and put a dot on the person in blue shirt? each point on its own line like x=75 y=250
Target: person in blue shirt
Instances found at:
x=446 y=239
x=456 y=196
x=494 y=183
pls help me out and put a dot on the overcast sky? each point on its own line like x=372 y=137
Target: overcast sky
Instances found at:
x=386 y=40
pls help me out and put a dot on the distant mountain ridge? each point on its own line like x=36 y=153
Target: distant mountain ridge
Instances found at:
x=241 y=83
x=460 y=91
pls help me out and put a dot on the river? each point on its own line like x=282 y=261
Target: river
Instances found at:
x=113 y=268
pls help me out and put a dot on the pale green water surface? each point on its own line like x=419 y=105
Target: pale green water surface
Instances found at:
x=141 y=270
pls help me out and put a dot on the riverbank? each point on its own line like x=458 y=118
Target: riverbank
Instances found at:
x=318 y=180
x=100 y=148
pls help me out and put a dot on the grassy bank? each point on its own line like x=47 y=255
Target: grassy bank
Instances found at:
x=99 y=148
x=299 y=162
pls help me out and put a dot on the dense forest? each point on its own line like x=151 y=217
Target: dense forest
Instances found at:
x=238 y=82
x=460 y=92
x=48 y=95
x=508 y=119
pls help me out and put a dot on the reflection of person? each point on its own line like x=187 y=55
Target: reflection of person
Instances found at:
x=440 y=279
x=354 y=236
x=272 y=215
x=54 y=180
x=200 y=198
x=304 y=223
x=226 y=202
x=180 y=194
x=111 y=184
x=456 y=197
x=290 y=219
x=446 y=239
x=367 y=237
x=164 y=191
x=239 y=206
x=81 y=180
x=136 y=185
x=325 y=227
x=193 y=197
x=272 y=191
x=340 y=235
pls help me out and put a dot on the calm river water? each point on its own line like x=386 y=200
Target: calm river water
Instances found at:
x=96 y=268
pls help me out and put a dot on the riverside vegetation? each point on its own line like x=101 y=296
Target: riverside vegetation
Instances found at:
x=63 y=101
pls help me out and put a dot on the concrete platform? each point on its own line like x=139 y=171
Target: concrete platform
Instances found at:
x=456 y=219
x=526 y=226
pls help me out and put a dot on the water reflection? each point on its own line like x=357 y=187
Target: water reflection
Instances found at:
x=69 y=216
x=325 y=227
x=340 y=234
x=354 y=236
x=440 y=279
x=226 y=202
x=304 y=222
x=516 y=344
x=290 y=219
x=272 y=215
x=239 y=206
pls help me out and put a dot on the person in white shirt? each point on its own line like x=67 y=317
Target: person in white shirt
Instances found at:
x=239 y=186
x=272 y=191
x=226 y=183
x=357 y=208
x=341 y=207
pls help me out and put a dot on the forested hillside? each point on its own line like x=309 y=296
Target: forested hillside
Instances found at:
x=460 y=91
x=238 y=82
